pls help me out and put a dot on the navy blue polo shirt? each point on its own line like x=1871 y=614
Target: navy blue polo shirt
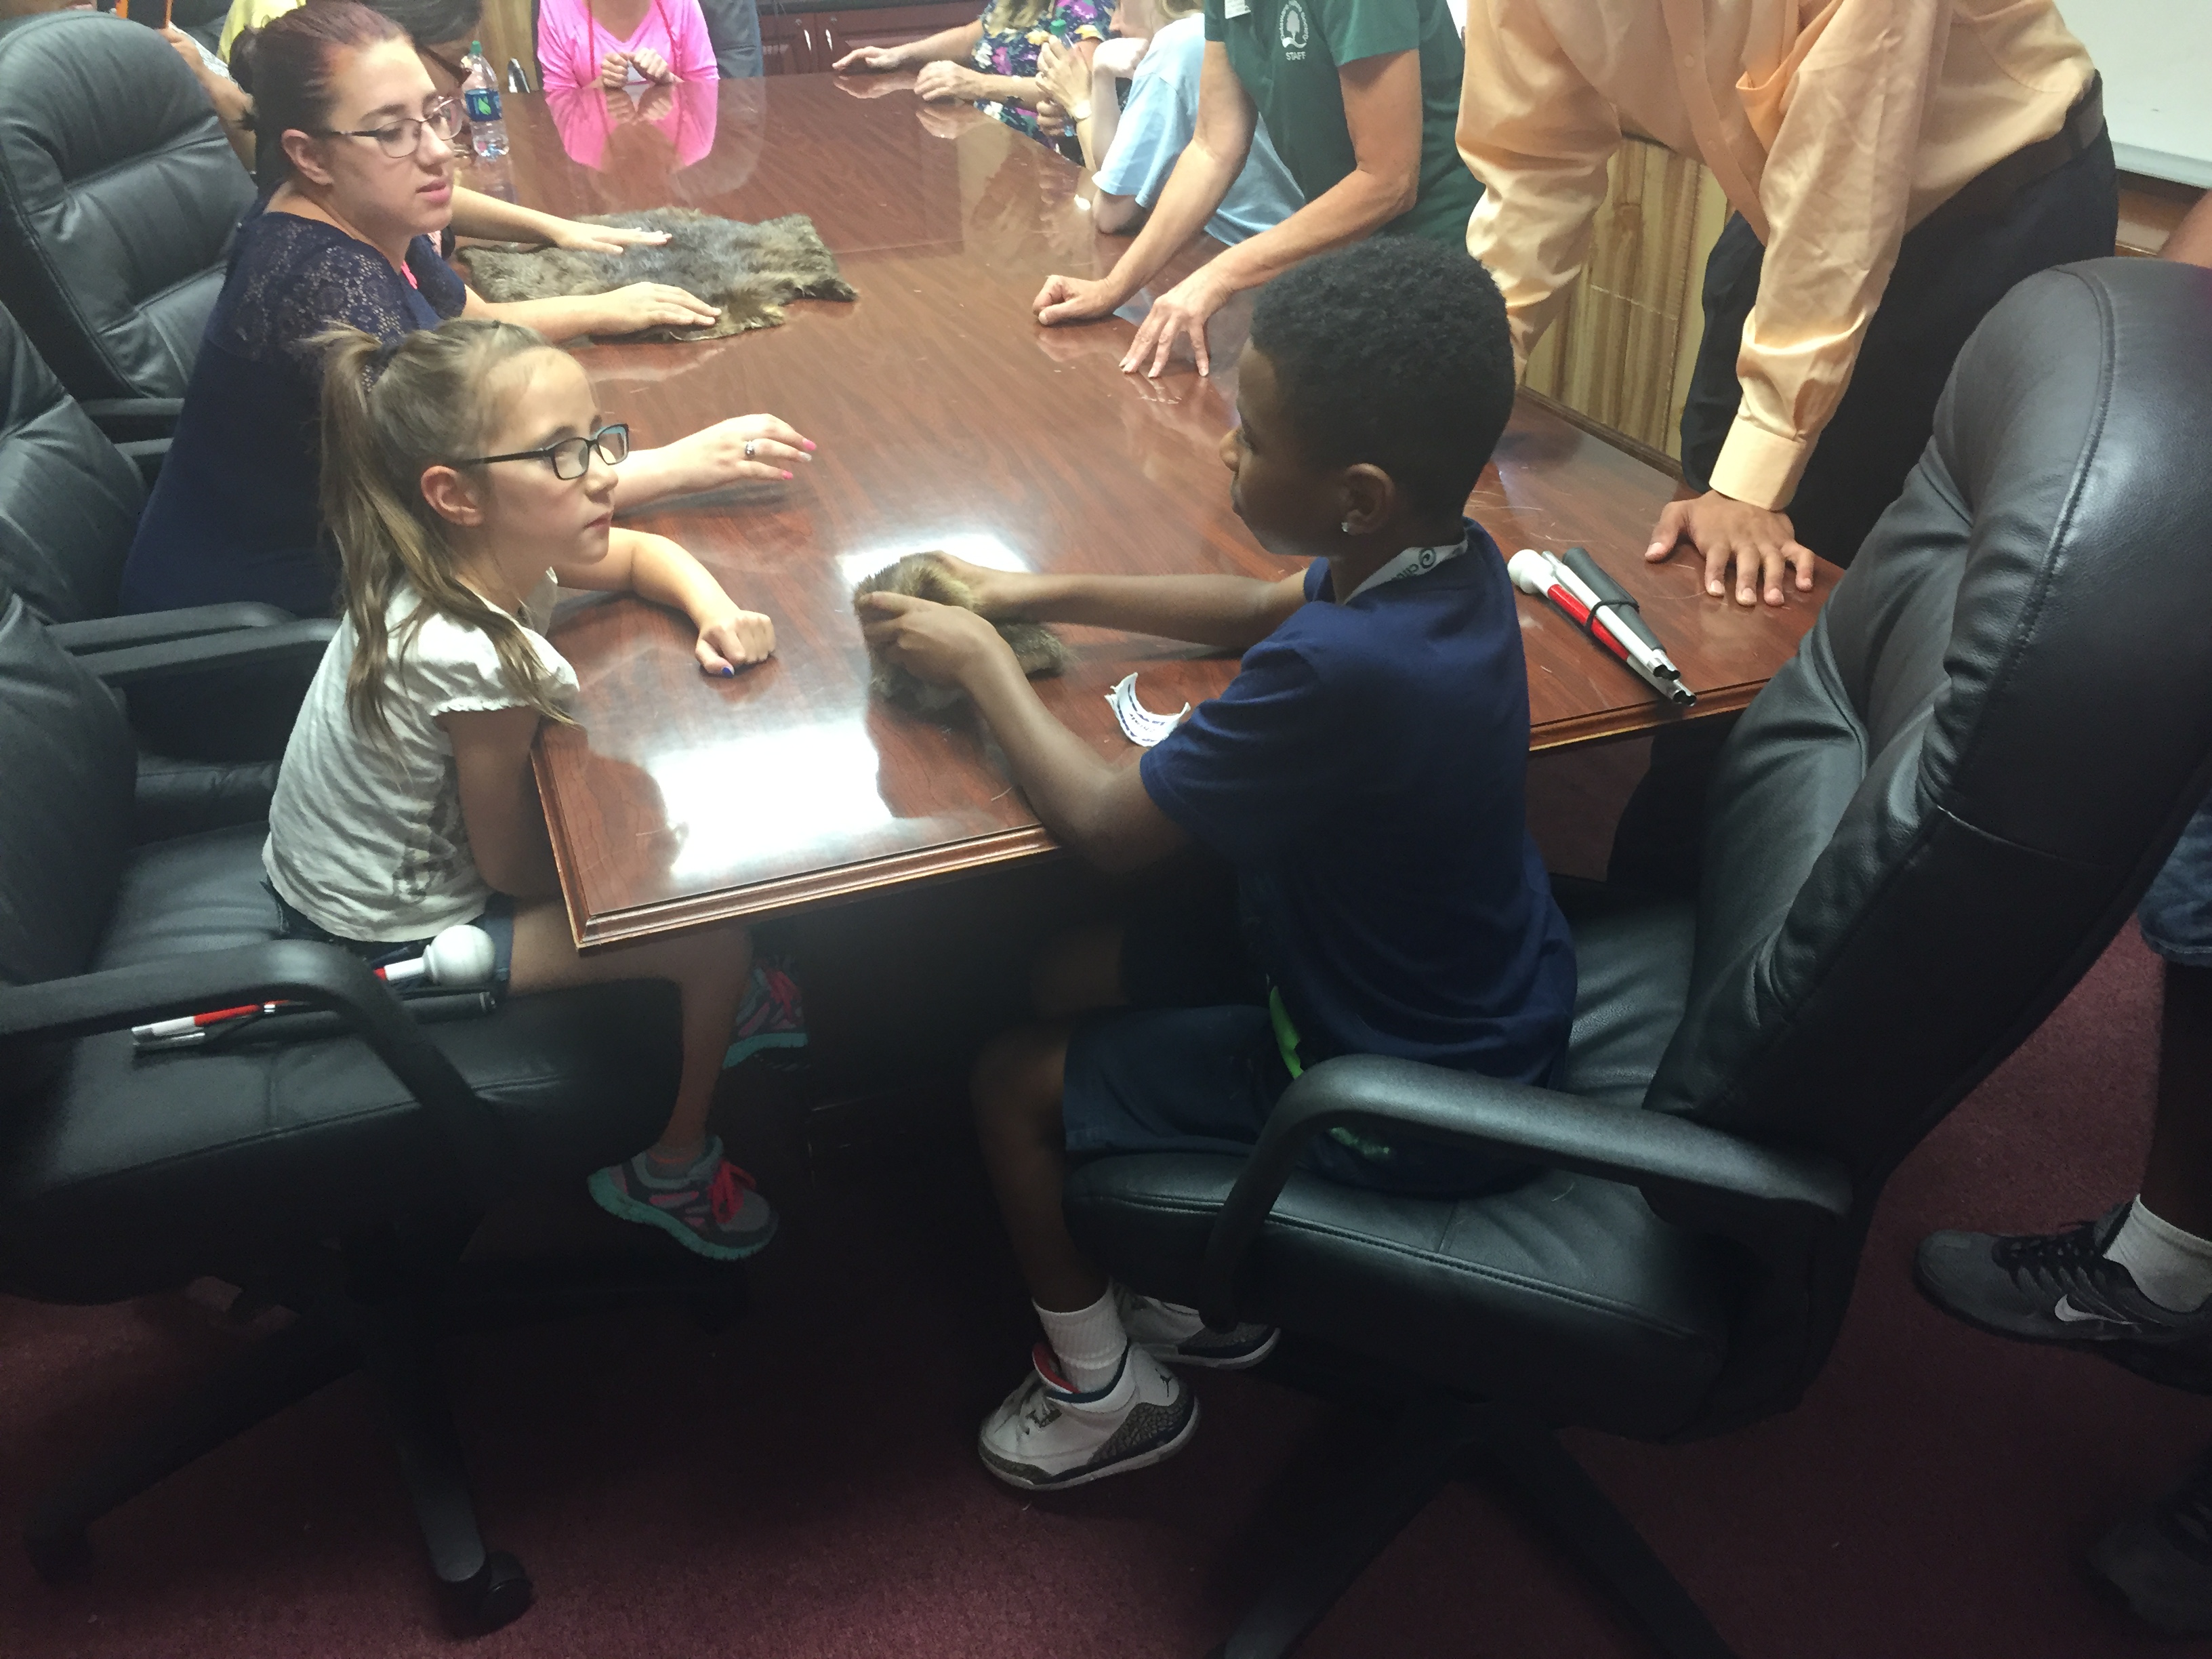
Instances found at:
x=1365 y=773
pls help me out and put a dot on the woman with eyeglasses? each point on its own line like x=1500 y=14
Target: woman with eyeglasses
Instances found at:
x=344 y=237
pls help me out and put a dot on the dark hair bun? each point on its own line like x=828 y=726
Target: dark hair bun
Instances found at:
x=243 y=50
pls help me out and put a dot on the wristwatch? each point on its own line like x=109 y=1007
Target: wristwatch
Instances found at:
x=1081 y=111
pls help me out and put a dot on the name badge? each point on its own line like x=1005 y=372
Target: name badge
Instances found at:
x=1236 y=8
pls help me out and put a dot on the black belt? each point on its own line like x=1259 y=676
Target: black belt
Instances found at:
x=1989 y=192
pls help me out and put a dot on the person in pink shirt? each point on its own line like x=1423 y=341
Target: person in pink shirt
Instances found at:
x=616 y=43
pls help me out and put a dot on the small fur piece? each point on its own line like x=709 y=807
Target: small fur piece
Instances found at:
x=750 y=271
x=924 y=576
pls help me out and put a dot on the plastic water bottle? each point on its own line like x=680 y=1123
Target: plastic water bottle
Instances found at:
x=480 y=97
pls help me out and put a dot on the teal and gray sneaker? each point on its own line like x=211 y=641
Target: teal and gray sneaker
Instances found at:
x=771 y=1017
x=711 y=1207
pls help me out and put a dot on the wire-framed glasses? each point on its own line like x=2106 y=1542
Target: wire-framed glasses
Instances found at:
x=402 y=138
x=571 y=456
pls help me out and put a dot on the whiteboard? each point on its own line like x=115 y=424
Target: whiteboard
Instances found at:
x=2156 y=57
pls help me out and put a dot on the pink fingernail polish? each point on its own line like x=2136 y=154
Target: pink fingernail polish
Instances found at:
x=786 y=475
x=807 y=442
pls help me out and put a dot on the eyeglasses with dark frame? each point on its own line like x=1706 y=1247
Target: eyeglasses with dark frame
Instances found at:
x=403 y=138
x=571 y=458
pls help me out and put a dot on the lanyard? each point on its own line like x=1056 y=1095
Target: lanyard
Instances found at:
x=1413 y=562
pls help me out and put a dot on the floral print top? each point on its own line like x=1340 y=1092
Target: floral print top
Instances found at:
x=1014 y=51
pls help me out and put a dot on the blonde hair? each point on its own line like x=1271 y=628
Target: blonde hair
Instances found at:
x=388 y=413
x=1001 y=16
x=1174 y=11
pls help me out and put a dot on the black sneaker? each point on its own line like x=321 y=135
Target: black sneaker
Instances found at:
x=2062 y=1289
x=2159 y=1560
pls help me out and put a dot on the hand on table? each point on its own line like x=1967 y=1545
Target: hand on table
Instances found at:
x=943 y=80
x=1757 y=542
x=1181 y=313
x=740 y=637
x=717 y=455
x=580 y=237
x=650 y=305
x=652 y=66
x=936 y=643
x=870 y=60
x=1075 y=300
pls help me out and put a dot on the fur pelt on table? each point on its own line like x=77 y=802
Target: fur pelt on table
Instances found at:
x=924 y=576
x=750 y=271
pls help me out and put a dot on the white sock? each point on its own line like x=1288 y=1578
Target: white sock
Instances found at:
x=1090 y=1341
x=2172 y=1267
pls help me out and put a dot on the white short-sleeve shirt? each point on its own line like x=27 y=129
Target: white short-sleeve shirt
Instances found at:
x=366 y=836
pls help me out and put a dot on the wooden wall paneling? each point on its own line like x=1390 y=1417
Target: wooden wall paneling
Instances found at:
x=1615 y=351
x=506 y=32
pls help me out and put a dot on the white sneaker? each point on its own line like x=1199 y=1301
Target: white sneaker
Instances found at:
x=1171 y=1331
x=1048 y=1434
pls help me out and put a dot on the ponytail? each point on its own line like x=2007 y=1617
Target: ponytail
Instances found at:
x=389 y=411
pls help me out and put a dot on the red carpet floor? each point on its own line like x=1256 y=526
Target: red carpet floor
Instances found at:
x=803 y=1486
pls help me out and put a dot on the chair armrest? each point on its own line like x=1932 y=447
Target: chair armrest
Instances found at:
x=1756 y=1188
x=126 y=419
x=303 y=642
x=147 y=454
x=286 y=969
x=152 y=627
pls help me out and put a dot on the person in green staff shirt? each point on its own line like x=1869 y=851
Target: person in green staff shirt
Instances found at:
x=1362 y=100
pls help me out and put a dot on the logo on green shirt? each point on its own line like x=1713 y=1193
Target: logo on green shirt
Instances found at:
x=1294 y=31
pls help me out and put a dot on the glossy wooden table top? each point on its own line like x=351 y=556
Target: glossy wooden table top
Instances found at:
x=947 y=418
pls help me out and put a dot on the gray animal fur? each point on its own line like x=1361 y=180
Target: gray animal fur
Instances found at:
x=751 y=271
x=924 y=576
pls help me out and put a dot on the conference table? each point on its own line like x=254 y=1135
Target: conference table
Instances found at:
x=947 y=418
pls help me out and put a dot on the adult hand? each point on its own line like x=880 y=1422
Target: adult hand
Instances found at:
x=614 y=71
x=943 y=80
x=650 y=305
x=1180 y=313
x=580 y=237
x=743 y=447
x=1757 y=542
x=1064 y=77
x=653 y=67
x=739 y=637
x=1052 y=121
x=870 y=60
x=1073 y=299
x=936 y=643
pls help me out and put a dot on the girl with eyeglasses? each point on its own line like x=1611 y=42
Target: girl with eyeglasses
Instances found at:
x=344 y=234
x=469 y=477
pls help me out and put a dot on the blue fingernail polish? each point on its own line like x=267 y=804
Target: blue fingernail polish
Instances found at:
x=727 y=672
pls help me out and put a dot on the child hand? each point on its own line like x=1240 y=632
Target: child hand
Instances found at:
x=743 y=636
x=614 y=71
x=652 y=66
x=996 y=592
x=935 y=643
x=650 y=305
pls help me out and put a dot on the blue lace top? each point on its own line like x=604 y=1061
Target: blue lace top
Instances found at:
x=233 y=514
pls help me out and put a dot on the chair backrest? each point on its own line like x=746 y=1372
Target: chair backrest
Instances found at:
x=118 y=200
x=69 y=764
x=1929 y=825
x=70 y=499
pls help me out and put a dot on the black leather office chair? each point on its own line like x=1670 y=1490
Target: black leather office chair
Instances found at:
x=1920 y=835
x=118 y=200
x=70 y=502
x=337 y=1175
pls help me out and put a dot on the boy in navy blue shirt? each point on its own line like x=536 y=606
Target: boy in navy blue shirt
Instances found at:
x=1361 y=776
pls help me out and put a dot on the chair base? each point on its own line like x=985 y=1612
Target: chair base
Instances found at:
x=393 y=1336
x=1437 y=1438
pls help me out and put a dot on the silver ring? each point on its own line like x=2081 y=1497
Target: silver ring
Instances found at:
x=751 y=444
